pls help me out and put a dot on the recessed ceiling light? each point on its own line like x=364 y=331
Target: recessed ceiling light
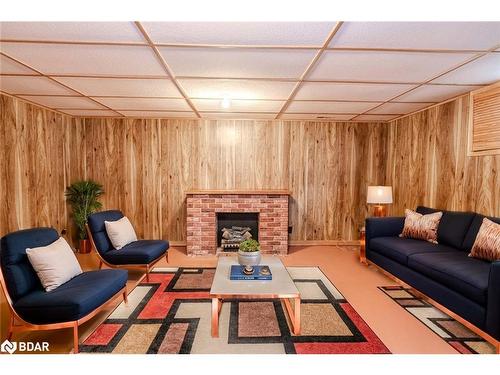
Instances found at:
x=226 y=103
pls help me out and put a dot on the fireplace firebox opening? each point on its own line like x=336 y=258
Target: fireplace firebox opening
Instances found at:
x=235 y=227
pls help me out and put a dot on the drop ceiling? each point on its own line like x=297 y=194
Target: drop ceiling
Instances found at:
x=360 y=71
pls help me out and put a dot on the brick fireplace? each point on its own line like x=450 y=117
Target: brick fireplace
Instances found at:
x=204 y=205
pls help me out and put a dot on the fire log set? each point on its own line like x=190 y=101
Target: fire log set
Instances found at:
x=232 y=237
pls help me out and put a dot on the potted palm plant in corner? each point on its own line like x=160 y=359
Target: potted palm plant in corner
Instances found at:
x=249 y=255
x=83 y=196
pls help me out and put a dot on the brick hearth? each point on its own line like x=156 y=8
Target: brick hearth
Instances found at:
x=203 y=206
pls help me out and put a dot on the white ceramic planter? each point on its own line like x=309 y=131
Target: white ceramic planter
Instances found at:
x=249 y=259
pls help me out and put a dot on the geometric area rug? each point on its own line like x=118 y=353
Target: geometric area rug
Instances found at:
x=453 y=332
x=170 y=314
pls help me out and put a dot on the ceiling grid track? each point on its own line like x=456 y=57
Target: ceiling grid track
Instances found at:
x=167 y=68
x=309 y=69
x=473 y=58
x=267 y=79
x=40 y=74
x=36 y=104
x=295 y=92
x=242 y=46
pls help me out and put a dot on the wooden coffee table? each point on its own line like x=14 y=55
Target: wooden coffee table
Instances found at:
x=280 y=287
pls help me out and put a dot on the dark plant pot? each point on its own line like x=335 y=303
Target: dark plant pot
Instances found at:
x=84 y=246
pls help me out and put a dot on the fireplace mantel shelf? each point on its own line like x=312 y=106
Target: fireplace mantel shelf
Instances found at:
x=240 y=192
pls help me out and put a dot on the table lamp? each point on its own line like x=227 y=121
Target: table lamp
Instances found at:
x=379 y=196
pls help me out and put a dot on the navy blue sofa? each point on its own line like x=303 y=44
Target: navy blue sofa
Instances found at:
x=141 y=253
x=69 y=305
x=444 y=272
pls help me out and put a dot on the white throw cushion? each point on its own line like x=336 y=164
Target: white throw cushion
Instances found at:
x=54 y=264
x=120 y=232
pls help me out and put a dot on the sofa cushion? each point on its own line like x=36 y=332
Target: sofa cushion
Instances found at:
x=72 y=300
x=453 y=226
x=138 y=252
x=20 y=277
x=456 y=270
x=399 y=249
x=456 y=302
x=98 y=229
x=471 y=235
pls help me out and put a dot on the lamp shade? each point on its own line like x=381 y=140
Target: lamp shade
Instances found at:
x=379 y=194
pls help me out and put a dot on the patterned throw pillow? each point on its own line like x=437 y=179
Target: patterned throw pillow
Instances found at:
x=487 y=243
x=421 y=227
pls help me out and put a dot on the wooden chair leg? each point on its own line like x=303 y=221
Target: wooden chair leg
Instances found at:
x=166 y=256
x=75 y=338
x=100 y=264
x=147 y=273
x=125 y=297
x=10 y=329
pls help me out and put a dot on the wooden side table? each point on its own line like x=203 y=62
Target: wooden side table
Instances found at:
x=362 y=246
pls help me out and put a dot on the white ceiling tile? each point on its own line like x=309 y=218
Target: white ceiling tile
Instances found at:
x=72 y=31
x=419 y=35
x=329 y=107
x=86 y=59
x=398 y=108
x=146 y=104
x=158 y=114
x=232 y=115
x=384 y=66
x=484 y=70
x=240 y=33
x=9 y=66
x=237 y=89
x=32 y=85
x=375 y=117
x=122 y=86
x=434 y=93
x=315 y=116
x=61 y=102
x=235 y=63
x=90 y=113
x=348 y=91
x=239 y=105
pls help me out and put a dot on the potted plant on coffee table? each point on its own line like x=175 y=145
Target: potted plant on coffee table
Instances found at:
x=249 y=255
x=83 y=196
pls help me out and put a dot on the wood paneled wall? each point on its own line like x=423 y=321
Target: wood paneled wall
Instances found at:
x=41 y=154
x=330 y=166
x=147 y=166
x=427 y=163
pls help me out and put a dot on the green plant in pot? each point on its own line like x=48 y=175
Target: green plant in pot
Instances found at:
x=249 y=255
x=83 y=196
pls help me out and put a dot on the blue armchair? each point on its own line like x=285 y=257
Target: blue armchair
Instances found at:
x=69 y=305
x=138 y=254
